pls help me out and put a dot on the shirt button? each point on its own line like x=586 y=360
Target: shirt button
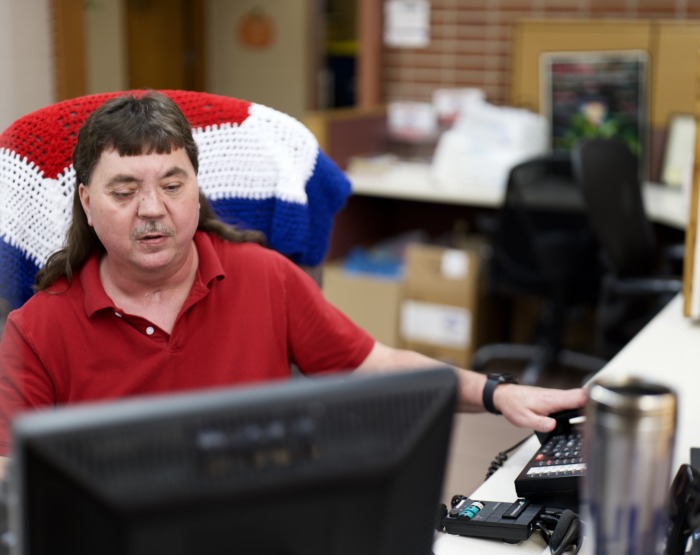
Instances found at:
x=117 y=315
x=150 y=330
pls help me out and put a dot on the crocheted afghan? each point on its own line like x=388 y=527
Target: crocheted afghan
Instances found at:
x=261 y=169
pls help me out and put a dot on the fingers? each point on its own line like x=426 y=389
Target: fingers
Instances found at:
x=530 y=420
x=530 y=407
x=548 y=401
x=545 y=424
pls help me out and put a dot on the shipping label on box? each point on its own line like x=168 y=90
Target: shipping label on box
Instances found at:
x=439 y=275
x=444 y=325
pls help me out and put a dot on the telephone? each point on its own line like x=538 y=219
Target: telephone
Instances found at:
x=684 y=509
x=553 y=475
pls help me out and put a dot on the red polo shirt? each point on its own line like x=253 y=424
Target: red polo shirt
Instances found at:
x=249 y=313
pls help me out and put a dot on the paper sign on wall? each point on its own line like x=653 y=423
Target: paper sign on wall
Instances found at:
x=407 y=23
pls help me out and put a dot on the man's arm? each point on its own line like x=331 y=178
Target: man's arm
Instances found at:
x=524 y=406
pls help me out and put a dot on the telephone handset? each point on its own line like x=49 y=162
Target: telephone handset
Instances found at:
x=553 y=475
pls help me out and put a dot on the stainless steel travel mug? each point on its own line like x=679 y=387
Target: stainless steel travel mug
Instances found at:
x=628 y=444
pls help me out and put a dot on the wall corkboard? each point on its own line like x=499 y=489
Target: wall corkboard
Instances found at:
x=672 y=47
x=531 y=38
x=674 y=77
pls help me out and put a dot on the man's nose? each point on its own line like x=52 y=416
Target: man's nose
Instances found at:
x=150 y=204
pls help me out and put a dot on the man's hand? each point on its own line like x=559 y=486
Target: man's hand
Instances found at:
x=529 y=407
x=524 y=406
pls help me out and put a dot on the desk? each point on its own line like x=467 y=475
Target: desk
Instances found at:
x=414 y=181
x=667 y=351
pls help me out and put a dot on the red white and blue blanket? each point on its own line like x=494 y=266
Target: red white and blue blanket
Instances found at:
x=260 y=169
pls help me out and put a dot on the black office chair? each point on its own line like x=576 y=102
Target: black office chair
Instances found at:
x=638 y=280
x=543 y=248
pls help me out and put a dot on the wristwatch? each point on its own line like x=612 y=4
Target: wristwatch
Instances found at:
x=492 y=382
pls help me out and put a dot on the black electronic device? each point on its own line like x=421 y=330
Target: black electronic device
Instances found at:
x=553 y=475
x=509 y=522
x=332 y=466
x=684 y=510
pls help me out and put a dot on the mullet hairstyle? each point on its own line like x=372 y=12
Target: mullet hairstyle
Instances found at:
x=131 y=126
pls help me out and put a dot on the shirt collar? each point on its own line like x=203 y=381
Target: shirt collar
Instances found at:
x=95 y=297
x=210 y=267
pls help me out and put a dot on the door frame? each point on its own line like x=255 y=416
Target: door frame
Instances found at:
x=68 y=27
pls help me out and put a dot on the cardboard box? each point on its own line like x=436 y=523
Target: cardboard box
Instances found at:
x=369 y=301
x=442 y=299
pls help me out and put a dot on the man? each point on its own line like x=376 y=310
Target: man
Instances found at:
x=152 y=293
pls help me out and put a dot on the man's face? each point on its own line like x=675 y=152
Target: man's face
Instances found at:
x=144 y=209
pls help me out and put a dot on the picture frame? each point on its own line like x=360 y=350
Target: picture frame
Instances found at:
x=596 y=94
x=677 y=167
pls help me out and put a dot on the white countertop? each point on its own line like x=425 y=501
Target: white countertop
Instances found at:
x=414 y=181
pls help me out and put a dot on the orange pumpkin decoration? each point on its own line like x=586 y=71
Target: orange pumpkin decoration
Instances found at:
x=256 y=29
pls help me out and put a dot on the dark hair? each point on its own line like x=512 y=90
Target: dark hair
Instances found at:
x=131 y=125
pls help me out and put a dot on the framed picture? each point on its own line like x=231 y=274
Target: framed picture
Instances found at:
x=595 y=94
x=679 y=151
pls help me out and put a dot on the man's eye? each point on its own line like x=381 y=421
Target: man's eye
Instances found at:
x=122 y=194
x=172 y=187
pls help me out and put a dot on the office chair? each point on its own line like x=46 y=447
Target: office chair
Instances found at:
x=637 y=282
x=544 y=249
x=260 y=169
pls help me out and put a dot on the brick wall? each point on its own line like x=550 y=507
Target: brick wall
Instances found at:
x=471 y=41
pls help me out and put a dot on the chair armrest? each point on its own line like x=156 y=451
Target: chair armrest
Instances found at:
x=316 y=272
x=672 y=259
x=4 y=311
x=674 y=252
x=645 y=286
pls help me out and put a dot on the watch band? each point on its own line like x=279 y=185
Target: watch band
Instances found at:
x=492 y=382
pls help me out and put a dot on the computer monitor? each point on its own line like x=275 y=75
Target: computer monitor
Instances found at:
x=326 y=466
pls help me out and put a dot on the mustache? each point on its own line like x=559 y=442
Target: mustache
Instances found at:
x=154 y=228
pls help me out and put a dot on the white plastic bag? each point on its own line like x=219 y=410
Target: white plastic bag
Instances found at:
x=485 y=142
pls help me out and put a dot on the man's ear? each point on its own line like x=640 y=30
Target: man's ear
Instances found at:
x=84 y=194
